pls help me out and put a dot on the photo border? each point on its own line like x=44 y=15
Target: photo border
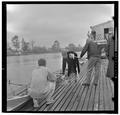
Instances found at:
x=4 y=52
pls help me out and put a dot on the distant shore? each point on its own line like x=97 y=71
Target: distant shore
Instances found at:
x=33 y=53
x=30 y=53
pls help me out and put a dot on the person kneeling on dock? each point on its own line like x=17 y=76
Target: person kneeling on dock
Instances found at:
x=42 y=84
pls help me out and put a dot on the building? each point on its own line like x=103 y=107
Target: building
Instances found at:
x=102 y=30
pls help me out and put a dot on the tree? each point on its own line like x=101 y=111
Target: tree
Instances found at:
x=32 y=44
x=8 y=46
x=16 y=43
x=71 y=47
x=56 y=46
x=25 y=45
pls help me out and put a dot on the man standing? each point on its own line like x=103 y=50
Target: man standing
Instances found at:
x=93 y=52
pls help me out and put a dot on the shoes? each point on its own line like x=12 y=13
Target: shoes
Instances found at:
x=86 y=84
x=50 y=102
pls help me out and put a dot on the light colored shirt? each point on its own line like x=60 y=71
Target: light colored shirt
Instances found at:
x=39 y=82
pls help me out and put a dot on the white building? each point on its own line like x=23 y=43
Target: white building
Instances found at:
x=102 y=30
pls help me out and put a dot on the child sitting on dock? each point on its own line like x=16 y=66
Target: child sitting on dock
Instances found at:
x=42 y=84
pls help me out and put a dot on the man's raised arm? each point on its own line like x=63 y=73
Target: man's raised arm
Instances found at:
x=85 y=48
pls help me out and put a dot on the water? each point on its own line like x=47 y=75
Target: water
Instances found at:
x=19 y=68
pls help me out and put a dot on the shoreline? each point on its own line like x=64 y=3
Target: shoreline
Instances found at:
x=10 y=55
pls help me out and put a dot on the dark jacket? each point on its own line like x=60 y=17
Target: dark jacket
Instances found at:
x=73 y=64
x=91 y=48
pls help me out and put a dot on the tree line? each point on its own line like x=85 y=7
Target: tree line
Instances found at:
x=22 y=47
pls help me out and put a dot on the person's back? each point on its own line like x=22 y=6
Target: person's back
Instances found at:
x=94 y=54
x=39 y=79
x=92 y=49
x=42 y=83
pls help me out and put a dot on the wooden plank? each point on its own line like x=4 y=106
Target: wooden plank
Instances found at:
x=101 y=99
x=48 y=108
x=70 y=96
x=112 y=86
x=86 y=102
x=110 y=94
x=61 y=104
x=57 y=98
x=105 y=92
x=45 y=107
x=92 y=99
x=82 y=106
x=77 y=98
x=60 y=97
x=96 y=100
x=56 y=94
x=71 y=103
x=112 y=90
x=81 y=99
x=86 y=99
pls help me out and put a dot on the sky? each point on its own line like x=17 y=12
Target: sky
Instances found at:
x=45 y=23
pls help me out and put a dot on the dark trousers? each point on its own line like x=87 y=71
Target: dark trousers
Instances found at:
x=64 y=62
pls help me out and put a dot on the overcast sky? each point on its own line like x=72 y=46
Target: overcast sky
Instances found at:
x=45 y=23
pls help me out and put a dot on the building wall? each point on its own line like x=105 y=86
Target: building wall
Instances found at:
x=100 y=29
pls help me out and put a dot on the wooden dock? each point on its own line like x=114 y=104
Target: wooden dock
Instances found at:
x=76 y=97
